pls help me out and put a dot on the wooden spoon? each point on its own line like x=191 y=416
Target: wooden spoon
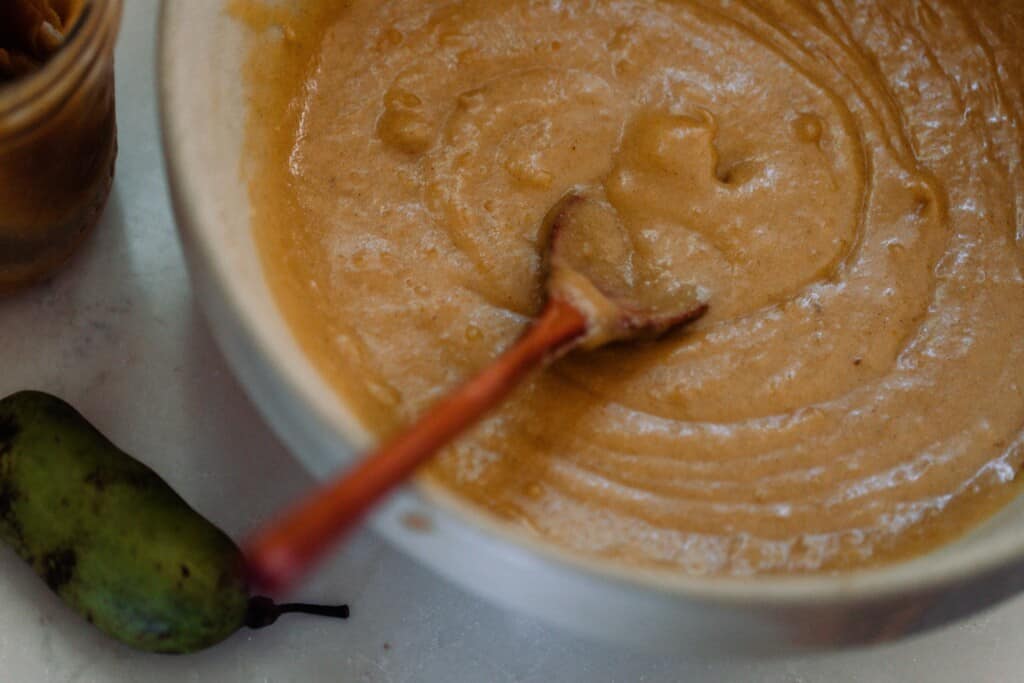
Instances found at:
x=593 y=299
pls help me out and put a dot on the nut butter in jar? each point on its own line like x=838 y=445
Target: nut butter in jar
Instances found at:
x=58 y=138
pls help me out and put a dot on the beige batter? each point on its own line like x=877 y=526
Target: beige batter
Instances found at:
x=843 y=180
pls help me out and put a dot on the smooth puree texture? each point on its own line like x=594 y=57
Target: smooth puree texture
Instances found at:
x=842 y=180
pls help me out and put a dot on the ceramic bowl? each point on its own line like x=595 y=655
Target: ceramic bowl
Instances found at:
x=203 y=108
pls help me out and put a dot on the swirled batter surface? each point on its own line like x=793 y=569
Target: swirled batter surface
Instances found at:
x=844 y=179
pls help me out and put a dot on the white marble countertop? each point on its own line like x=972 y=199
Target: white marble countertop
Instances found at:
x=119 y=335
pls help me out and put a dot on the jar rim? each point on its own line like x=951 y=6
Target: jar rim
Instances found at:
x=96 y=27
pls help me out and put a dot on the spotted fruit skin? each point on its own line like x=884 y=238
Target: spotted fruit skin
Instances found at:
x=109 y=536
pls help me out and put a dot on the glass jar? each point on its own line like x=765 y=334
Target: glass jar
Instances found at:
x=58 y=143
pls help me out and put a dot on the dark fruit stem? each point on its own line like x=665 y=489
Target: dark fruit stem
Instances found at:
x=263 y=611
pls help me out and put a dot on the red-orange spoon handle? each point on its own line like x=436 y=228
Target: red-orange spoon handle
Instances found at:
x=288 y=547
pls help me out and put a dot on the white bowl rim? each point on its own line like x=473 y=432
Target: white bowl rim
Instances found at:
x=922 y=574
